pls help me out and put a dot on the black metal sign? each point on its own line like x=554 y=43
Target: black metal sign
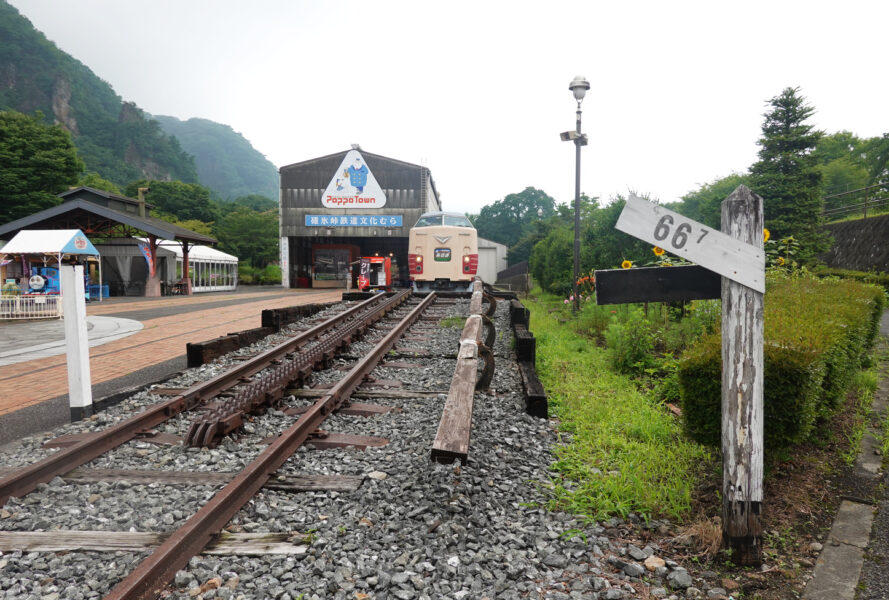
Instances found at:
x=657 y=284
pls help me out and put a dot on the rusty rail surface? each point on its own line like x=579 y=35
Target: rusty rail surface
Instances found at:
x=268 y=389
x=24 y=480
x=149 y=578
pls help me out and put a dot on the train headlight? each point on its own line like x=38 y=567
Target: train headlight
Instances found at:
x=466 y=259
x=419 y=258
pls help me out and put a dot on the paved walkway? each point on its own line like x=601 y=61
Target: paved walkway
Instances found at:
x=24 y=341
x=167 y=325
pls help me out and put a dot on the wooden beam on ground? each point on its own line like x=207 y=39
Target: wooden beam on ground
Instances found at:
x=536 y=403
x=452 y=440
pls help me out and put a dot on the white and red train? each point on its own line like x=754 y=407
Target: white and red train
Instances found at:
x=442 y=252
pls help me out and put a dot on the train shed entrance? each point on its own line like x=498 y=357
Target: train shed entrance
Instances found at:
x=337 y=208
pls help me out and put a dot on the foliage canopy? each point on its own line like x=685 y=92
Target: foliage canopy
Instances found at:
x=786 y=175
x=37 y=161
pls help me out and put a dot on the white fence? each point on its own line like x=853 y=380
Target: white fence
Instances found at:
x=30 y=307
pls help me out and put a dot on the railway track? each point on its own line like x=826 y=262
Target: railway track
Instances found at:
x=224 y=403
x=263 y=512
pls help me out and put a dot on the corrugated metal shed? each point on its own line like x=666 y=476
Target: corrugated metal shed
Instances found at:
x=409 y=188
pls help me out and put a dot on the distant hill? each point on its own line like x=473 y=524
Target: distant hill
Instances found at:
x=225 y=160
x=117 y=139
x=112 y=137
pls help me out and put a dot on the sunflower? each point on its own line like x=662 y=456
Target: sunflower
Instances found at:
x=779 y=261
x=658 y=251
x=766 y=234
x=626 y=264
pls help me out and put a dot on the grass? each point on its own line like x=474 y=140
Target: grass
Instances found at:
x=452 y=322
x=622 y=452
x=864 y=385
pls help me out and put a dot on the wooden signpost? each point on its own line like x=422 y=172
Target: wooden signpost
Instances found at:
x=736 y=254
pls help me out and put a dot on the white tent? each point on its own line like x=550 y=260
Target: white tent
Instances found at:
x=55 y=243
x=50 y=241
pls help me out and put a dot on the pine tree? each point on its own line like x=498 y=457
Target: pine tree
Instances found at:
x=786 y=175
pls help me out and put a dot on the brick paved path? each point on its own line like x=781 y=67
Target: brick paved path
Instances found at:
x=161 y=339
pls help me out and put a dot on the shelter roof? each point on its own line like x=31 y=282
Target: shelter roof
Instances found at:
x=56 y=241
x=76 y=192
x=199 y=252
x=95 y=219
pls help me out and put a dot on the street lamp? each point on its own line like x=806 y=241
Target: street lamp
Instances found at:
x=578 y=86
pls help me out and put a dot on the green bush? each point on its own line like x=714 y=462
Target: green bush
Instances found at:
x=271 y=274
x=630 y=343
x=268 y=275
x=881 y=279
x=817 y=335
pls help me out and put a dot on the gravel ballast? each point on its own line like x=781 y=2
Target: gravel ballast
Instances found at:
x=413 y=530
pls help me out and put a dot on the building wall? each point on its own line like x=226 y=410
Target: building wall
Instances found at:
x=491 y=259
x=307 y=224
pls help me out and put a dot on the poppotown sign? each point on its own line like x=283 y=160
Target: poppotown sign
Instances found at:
x=353 y=185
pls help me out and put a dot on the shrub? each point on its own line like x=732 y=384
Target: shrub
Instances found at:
x=817 y=334
x=630 y=343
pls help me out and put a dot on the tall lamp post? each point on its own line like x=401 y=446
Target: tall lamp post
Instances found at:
x=578 y=86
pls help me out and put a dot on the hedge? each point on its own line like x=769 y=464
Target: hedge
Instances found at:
x=817 y=333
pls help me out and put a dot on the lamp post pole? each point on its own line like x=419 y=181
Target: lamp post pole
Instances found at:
x=578 y=86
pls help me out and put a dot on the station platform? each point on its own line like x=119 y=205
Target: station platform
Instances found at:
x=133 y=342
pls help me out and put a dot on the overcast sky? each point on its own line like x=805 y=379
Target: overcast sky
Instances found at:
x=478 y=91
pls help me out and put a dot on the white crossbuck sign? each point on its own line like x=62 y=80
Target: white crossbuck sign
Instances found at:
x=694 y=242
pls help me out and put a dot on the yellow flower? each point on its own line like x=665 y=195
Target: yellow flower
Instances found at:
x=658 y=251
x=780 y=261
x=766 y=234
x=626 y=264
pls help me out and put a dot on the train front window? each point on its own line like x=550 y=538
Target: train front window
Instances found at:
x=456 y=221
x=429 y=221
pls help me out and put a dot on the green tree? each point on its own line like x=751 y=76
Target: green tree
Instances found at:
x=842 y=144
x=507 y=220
x=256 y=202
x=95 y=181
x=250 y=235
x=37 y=161
x=786 y=175
x=705 y=204
x=552 y=261
x=876 y=159
x=601 y=245
x=184 y=201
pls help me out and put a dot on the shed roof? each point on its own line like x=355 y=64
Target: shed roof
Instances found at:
x=54 y=241
x=94 y=218
x=199 y=252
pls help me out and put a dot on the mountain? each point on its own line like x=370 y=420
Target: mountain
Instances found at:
x=114 y=138
x=225 y=160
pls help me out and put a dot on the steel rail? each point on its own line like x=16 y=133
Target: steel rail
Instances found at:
x=24 y=480
x=149 y=578
x=267 y=390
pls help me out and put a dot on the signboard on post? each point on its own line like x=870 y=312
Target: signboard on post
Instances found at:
x=695 y=242
x=736 y=254
x=657 y=284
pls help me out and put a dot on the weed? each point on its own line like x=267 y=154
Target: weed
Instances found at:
x=624 y=453
x=452 y=323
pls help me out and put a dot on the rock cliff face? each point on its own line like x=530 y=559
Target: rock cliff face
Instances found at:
x=36 y=76
x=117 y=139
x=861 y=245
x=61 y=104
